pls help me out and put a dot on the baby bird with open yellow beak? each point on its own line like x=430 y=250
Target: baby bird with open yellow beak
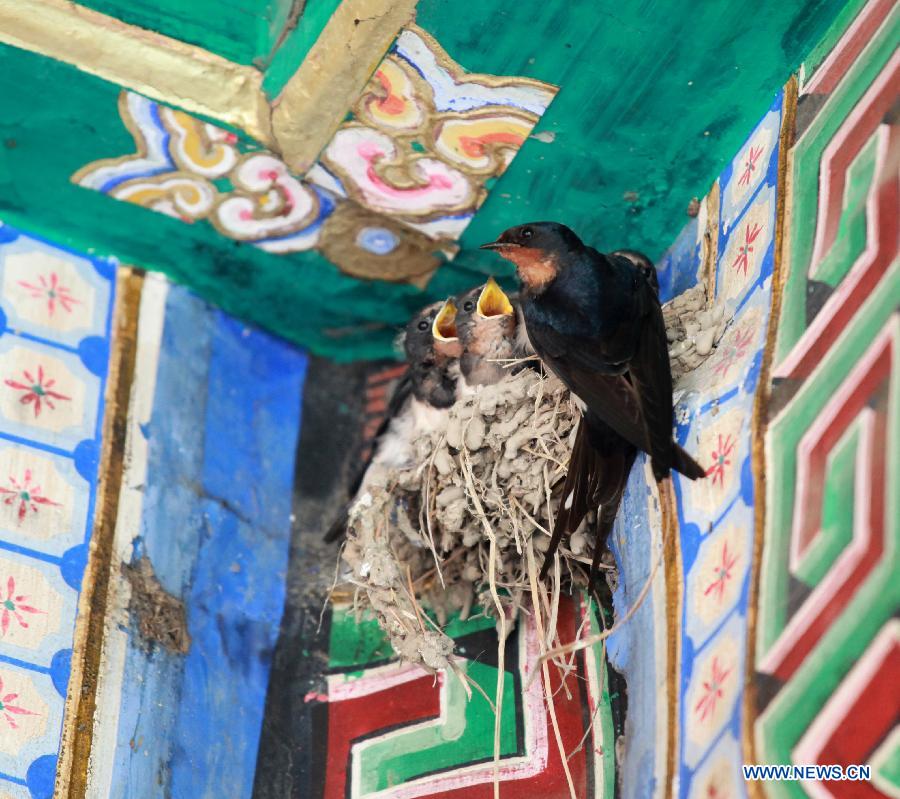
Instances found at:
x=420 y=402
x=487 y=324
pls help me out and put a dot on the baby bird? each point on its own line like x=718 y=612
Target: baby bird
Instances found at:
x=487 y=323
x=419 y=403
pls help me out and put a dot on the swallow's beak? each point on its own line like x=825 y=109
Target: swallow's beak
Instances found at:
x=498 y=245
x=444 y=326
x=493 y=301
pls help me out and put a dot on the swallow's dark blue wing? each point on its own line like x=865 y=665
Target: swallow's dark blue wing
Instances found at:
x=651 y=375
x=580 y=365
x=599 y=466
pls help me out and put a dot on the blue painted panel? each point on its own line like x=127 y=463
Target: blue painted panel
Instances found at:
x=716 y=523
x=216 y=526
x=632 y=650
x=55 y=316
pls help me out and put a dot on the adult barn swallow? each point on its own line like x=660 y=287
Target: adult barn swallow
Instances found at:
x=420 y=401
x=486 y=321
x=596 y=322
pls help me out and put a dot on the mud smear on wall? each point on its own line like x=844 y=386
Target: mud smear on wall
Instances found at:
x=159 y=615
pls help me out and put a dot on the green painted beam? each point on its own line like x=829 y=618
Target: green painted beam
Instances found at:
x=656 y=98
x=42 y=143
x=245 y=31
x=295 y=43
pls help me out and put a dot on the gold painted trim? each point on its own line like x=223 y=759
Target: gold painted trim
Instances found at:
x=154 y=65
x=78 y=718
x=760 y=422
x=674 y=576
x=333 y=75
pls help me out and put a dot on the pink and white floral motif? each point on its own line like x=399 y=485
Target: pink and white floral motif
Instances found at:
x=753 y=155
x=27 y=494
x=720 y=459
x=56 y=294
x=733 y=351
x=713 y=690
x=748 y=169
x=9 y=710
x=13 y=607
x=267 y=201
x=722 y=574
x=416 y=188
x=50 y=290
x=38 y=391
x=742 y=261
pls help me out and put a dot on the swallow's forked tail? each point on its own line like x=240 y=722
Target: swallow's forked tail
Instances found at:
x=596 y=477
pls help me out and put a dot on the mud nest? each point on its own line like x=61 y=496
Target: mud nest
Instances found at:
x=460 y=529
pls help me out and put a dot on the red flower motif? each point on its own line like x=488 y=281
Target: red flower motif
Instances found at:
x=54 y=292
x=720 y=459
x=733 y=351
x=723 y=574
x=742 y=262
x=39 y=392
x=11 y=607
x=26 y=493
x=8 y=709
x=750 y=165
x=712 y=690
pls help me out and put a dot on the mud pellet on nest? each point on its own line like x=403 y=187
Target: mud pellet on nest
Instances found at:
x=450 y=494
x=443 y=462
x=454 y=433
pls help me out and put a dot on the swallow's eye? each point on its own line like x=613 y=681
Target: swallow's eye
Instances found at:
x=468 y=306
x=423 y=325
x=527 y=233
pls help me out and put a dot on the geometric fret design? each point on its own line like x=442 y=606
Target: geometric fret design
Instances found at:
x=844 y=221
x=827 y=645
x=394 y=730
x=868 y=397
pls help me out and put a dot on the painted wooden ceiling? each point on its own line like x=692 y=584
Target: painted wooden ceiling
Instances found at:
x=653 y=98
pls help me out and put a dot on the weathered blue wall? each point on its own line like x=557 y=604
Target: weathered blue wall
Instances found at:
x=216 y=527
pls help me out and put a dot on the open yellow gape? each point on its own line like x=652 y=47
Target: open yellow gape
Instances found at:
x=444 y=326
x=493 y=301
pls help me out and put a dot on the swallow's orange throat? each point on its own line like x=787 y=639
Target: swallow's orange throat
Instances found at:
x=536 y=268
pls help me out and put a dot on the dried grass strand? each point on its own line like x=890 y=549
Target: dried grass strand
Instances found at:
x=545 y=669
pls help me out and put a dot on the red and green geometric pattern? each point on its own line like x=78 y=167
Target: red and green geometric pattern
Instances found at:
x=843 y=220
x=827 y=638
x=394 y=730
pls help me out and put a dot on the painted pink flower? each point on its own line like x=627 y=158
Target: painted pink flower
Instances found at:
x=722 y=573
x=13 y=607
x=27 y=494
x=742 y=262
x=720 y=459
x=55 y=293
x=37 y=392
x=750 y=165
x=712 y=690
x=732 y=352
x=8 y=709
